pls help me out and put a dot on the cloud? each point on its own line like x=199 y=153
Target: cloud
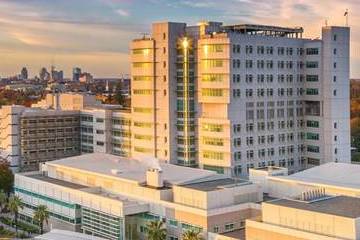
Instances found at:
x=107 y=26
x=122 y=12
x=198 y=4
x=30 y=39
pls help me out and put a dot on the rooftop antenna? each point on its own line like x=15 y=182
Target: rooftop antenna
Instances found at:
x=144 y=35
x=346 y=15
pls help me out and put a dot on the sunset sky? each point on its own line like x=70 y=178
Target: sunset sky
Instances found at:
x=95 y=34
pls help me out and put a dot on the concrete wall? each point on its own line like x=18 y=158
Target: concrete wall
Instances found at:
x=10 y=134
x=287 y=188
x=336 y=94
x=257 y=230
x=308 y=221
x=217 y=198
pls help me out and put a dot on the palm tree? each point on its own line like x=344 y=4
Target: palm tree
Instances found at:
x=156 y=231
x=41 y=214
x=192 y=235
x=3 y=199
x=14 y=205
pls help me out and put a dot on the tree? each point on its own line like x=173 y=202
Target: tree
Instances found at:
x=3 y=199
x=6 y=178
x=41 y=215
x=14 y=205
x=156 y=231
x=192 y=235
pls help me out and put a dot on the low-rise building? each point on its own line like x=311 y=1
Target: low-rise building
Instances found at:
x=260 y=175
x=30 y=136
x=67 y=101
x=47 y=135
x=62 y=125
x=322 y=218
x=56 y=234
x=114 y=197
x=335 y=178
x=24 y=87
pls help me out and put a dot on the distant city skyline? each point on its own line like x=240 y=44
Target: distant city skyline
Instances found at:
x=95 y=34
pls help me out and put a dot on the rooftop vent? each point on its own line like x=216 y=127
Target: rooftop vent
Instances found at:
x=115 y=171
x=154 y=178
x=313 y=195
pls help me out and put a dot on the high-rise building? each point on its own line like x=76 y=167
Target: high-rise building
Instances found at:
x=44 y=75
x=229 y=98
x=76 y=74
x=24 y=74
x=56 y=76
x=86 y=78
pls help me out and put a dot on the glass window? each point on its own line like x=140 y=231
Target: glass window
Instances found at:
x=213 y=63
x=213 y=77
x=99 y=120
x=213 y=155
x=212 y=92
x=312 y=64
x=312 y=51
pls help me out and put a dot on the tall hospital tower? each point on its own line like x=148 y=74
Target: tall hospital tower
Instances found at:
x=229 y=98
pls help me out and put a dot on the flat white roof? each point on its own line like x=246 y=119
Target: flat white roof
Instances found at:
x=31 y=112
x=57 y=234
x=336 y=174
x=133 y=169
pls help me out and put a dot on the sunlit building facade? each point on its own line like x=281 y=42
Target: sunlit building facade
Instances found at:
x=321 y=217
x=115 y=197
x=32 y=136
x=62 y=125
x=230 y=98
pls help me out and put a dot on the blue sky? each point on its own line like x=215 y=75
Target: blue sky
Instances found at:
x=95 y=34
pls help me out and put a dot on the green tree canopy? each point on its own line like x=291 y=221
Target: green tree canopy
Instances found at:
x=6 y=178
x=192 y=235
x=41 y=215
x=14 y=205
x=156 y=231
x=3 y=199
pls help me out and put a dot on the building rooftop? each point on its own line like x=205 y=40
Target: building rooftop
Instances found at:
x=103 y=107
x=57 y=234
x=98 y=191
x=265 y=30
x=343 y=206
x=133 y=169
x=213 y=185
x=56 y=181
x=236 y=234
x=343 y=175
x=31 y=112
x=269 y=168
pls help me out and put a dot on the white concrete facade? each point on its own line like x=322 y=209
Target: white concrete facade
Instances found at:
x=186 y=198
x=252 y=100
x=333 y=178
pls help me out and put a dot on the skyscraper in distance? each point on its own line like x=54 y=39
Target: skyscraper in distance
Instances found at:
x=44 y=75
x=76 y=74
x=24 y=74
